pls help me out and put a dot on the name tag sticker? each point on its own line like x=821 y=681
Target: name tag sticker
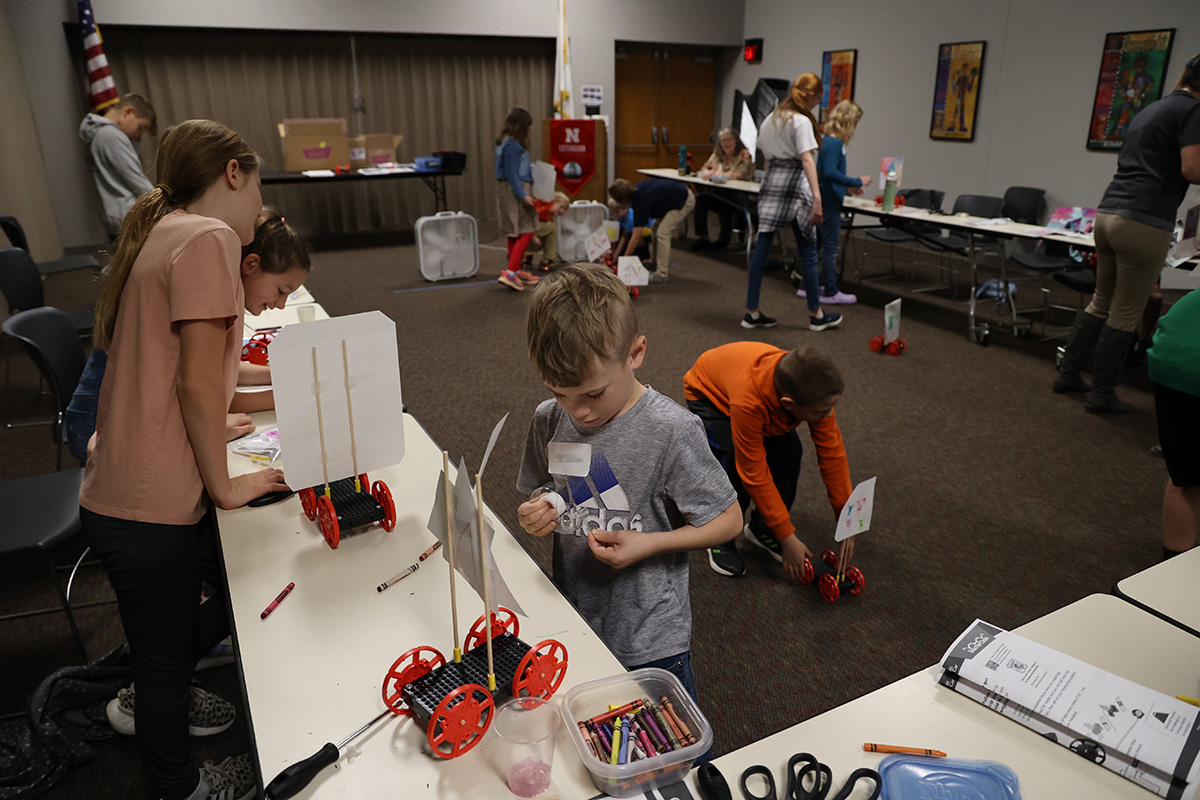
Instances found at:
x=567 y=458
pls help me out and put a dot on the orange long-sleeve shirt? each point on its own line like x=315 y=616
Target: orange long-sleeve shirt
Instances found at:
x=739 y=379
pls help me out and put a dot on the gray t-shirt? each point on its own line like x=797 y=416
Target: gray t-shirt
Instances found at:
x=651 y=470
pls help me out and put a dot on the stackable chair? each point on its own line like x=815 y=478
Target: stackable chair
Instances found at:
x=894 y=233
x=16 y=236
x=1076 y=275
x=953 y=243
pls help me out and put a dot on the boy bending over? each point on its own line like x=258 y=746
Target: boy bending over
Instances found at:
x=634 y=469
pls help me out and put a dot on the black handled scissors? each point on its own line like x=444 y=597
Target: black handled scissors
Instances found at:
x=822 y=781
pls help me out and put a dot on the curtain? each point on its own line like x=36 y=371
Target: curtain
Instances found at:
x=439 y=92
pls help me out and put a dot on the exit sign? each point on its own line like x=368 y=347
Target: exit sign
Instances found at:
x=752 y=52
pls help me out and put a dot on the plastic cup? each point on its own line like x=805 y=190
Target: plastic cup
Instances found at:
x=525 y=727
x=306 y=313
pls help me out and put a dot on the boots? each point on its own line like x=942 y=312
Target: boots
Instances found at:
x=1110 y=356
x=1083 y=339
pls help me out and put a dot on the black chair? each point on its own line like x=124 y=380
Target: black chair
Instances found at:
x=22 y=288
x=894 y=233
x=16 y=236
x=52 y=342
x=42 y=514
x=1024 y=204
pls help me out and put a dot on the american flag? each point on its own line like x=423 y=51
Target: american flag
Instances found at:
x=102 y=90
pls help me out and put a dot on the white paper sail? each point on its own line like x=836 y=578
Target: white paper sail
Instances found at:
x=467 y=561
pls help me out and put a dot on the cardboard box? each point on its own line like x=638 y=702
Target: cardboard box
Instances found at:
x=373 y=149
x=314 y=143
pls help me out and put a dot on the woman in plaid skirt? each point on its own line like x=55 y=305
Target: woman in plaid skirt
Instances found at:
x=788 y=140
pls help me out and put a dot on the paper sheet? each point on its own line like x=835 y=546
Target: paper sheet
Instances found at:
x=856 y=514
x=1143 y=735
x=544 y=177
x=632 y=272
x=597 y=244
x=891 y=321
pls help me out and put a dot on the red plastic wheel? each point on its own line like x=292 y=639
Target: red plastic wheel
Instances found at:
x=828 y=588
x=460 y=721
x=809 y=573
x=541 y=671
x=383 y=496
x=876 y=344
x=416 y=663
x=633 y=292
x=830 y=558
x=856 y=577
x=506 y=620
x=364 y=482
x=329 y=521
x=308 y=501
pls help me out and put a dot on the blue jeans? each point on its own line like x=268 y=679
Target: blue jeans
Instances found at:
x=808 y=273
x=829 y=234
x=681 y=667
x=80 y=417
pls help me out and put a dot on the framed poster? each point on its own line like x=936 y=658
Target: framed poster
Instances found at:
x=1132 y=68
x=837 y=79
x=956 y=92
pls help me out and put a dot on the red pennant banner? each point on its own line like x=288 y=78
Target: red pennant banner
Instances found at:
x=573 y=152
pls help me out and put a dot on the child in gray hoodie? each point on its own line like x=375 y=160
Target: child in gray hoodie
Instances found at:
x=112 y=139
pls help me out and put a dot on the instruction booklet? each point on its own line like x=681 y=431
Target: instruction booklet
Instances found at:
x=1146 y=736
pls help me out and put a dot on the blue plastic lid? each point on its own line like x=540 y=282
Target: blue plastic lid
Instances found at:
x=909 y=777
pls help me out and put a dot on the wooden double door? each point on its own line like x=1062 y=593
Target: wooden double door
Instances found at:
x=665 y=97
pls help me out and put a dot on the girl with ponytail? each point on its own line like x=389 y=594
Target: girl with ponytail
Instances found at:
x=170 y=316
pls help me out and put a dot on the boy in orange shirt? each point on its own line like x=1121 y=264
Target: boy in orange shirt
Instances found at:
x=751 y=397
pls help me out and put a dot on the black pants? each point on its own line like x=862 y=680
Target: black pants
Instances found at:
x=157 y=572
x=784 y=454
x=709 y=201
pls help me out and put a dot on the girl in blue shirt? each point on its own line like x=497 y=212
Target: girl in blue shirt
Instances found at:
x=834 y=183
x=514 y=187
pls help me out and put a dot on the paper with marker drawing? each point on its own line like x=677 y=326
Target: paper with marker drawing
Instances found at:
x=1146 y=736
x=632 y=272
x=543 y=180
x=856 y=514
x=891 y=321
x=597 y=244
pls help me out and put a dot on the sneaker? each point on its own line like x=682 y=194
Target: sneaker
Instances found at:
x=766 y=542
x=840 y=298
x=527 y=277
x=659 y=277
x=801 y=293
x=828 y=319
x=232 y=779
x=761 y=321
x=220 y=655
x=207 y=713
x=725 y=560
x=511 y=280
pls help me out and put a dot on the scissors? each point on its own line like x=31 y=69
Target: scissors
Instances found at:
x=822 y=781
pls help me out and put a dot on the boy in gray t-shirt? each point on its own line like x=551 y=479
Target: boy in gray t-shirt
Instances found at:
x=639 y=483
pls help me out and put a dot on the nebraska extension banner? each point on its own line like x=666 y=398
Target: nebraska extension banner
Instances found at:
x=573 y=152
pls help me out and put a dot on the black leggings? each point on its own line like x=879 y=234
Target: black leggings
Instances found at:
x=157 y=572
x=783 y=459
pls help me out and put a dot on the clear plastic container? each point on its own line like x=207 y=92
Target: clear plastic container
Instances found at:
x=919 y=776
x=588 y=700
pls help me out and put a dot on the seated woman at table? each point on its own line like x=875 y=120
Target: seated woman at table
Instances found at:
x=170 y=316
x=729 y=160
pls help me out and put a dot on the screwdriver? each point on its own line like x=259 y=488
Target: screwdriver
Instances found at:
x=294 y=778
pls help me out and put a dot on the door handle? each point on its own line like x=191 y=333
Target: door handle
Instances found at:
x=665 y=142
x=653 y=135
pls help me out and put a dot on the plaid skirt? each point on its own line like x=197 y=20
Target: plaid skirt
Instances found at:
x=516 y=218
x=785 y=197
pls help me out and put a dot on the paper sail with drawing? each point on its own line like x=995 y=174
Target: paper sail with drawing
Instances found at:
x=597 y=244
x=463 y=528
x=543 y=180
x=891 y=321
x=371 y=369
x=889 y=165
x=856 y=514
x=1186 y=242
x=632 y=272
x=1149 y=737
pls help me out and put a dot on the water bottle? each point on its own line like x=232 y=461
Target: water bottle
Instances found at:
x=682 y=162
x=889 y=190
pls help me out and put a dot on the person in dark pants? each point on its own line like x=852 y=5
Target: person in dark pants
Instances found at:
x=751 y=397
x=1160 y=157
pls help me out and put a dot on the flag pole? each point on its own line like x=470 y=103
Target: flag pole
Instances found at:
x=450 y=552
x=487 y=600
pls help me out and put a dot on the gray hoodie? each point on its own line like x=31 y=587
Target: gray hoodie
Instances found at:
x=116 y=167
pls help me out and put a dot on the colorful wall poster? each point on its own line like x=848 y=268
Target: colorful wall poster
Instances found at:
x=956 y=92
x=1132 y=68
x=837 y=79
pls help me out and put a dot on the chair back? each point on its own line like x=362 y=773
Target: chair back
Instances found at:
x=930 y=199
x=1024 y=204
x=13 y=230
x=20 y=281
x=979 y=205
x=53 y=343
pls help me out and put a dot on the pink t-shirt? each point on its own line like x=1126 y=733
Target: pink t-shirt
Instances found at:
x=143 y=467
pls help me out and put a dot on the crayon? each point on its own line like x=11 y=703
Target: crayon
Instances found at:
x=678 y=720
x=587 y=738
x=1186 y=699
x=623 y=726
x=615 y=754
x=615 y=711
x=275 y=603
x=605 y=740
x=667 y=725
x=912 y=751
x=660 y=738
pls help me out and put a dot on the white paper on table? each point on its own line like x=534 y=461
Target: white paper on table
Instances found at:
x=374 y=370
x=597 y=244
x=891 y=321
x=1187 y=228
x=317 y=173
x=856 y=514
x=544 y=177
x=1143 y=735
x=632 y=272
